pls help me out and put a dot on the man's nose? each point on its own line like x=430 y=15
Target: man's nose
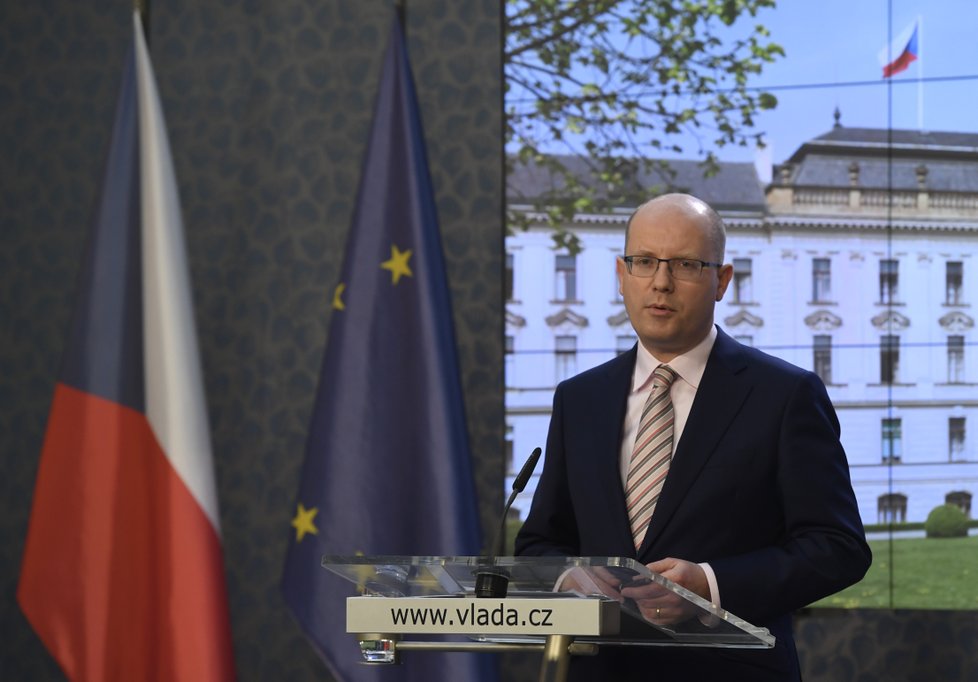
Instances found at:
x=662 y=279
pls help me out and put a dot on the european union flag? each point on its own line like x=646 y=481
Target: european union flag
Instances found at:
x=387 y=467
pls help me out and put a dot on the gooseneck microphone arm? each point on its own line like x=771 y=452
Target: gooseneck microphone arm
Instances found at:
x=491 y=581
x=519 y=483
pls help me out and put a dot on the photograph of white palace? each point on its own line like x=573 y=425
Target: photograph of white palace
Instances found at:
x=854 y=258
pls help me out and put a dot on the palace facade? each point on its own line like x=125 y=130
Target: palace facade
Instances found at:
x=857 y=261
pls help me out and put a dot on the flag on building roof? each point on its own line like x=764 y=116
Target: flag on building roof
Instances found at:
x=123 y=575
x=387 y=468
x=902 y=52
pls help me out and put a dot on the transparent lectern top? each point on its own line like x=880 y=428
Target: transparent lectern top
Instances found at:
x=701 y=623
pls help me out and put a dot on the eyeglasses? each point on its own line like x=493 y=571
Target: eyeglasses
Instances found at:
x=687 y=269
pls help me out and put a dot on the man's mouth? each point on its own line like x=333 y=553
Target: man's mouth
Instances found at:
x=659 y=307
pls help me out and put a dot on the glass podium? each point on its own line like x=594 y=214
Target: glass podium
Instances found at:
x=563 y=606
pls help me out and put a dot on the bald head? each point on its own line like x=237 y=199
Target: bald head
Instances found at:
x=695 y=210
x=671 y=314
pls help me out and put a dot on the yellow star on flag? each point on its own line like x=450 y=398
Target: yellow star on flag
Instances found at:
x=398 y=264
x=338 y=303
x=303 y=522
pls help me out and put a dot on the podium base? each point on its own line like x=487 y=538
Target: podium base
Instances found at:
x=556 y=658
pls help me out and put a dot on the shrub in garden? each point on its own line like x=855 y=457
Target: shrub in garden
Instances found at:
x=946 y=521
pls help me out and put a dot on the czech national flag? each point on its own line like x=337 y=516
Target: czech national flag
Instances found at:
x=123 y=575
x=901 y=53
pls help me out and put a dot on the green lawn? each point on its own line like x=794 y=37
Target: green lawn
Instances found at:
x=928 y=573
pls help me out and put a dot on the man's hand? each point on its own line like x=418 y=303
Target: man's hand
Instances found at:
x=658 y=604
x=596 y=580
x=685 y=573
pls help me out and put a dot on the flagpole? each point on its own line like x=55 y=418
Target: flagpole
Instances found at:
x=142 y=6
x=920 y=72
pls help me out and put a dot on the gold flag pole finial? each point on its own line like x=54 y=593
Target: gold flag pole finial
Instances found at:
x=142 y=6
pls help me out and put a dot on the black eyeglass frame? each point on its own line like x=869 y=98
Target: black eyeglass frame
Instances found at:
x=668 y=261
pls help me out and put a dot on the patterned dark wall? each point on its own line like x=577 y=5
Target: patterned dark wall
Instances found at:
x=267 y=104
x=59 y=69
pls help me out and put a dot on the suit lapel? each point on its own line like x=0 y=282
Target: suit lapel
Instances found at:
x=608 y=422
x=721 y=393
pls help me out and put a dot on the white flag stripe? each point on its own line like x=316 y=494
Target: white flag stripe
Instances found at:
x=890 y=52
x=175 y=406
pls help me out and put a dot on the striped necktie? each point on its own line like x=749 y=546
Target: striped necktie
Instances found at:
x=651 y=454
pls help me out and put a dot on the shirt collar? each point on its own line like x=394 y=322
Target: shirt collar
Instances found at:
x=689 y=366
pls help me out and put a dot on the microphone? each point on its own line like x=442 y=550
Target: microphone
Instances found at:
x=492 y=581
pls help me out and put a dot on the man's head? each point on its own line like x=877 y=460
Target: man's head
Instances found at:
x=669 y=314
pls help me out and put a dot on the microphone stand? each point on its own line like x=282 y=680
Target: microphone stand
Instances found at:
x=493 y=581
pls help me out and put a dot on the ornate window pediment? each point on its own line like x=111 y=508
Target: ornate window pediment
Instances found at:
x=891 y=320
x=823 y=321
x=619 y=319
x=566 y=316
x=743 y=317
x=956 y=321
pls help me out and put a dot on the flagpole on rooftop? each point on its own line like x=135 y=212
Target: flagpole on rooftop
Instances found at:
x=920 y=72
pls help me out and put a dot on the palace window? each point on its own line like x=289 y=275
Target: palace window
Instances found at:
x=955 y=359
x=889 y=358
x=509 y=365
x=892 y=437
x=821 y=279
x=742 y=286
x=955 y=438
x=954 y=279
x=822 y=357
x=565 y=352
x=624 y=343
x=565 y=268
x=889 y=280
x=960 y=499
x=892 y=508
x=508 y=279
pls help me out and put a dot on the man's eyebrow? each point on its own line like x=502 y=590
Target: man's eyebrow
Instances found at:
x=652 y=255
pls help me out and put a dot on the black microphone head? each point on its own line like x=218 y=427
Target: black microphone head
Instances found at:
x=524 y=476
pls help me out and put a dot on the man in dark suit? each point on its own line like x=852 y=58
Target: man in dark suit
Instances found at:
x=750 y=499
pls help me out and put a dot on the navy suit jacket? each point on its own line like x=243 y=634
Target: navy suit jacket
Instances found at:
x=758 y=487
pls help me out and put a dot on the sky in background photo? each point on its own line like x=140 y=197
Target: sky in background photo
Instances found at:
x=832 y=61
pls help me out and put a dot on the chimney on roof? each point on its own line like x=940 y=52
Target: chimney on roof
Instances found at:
x=785 y=173
x=921 y=177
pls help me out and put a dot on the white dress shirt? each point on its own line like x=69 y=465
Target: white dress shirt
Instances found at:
x=690 y=367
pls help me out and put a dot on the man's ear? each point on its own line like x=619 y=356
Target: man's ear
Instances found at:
x=724 y=275
x=620 y=269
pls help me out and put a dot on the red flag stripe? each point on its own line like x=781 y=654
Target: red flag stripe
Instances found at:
x=141 y=585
